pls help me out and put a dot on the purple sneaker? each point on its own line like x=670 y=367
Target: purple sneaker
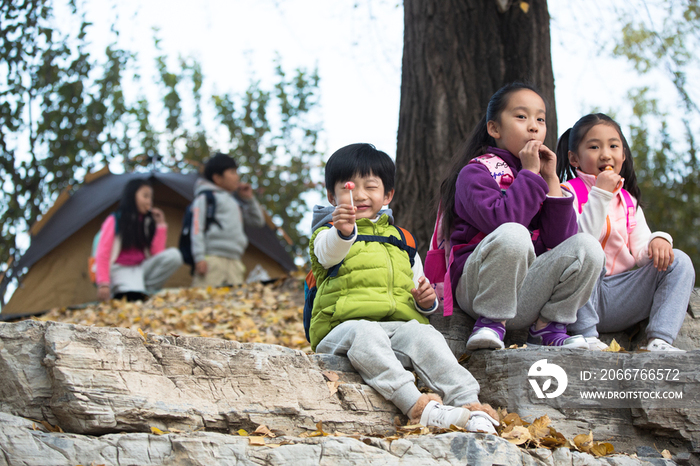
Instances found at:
x=487 y=334
x=554 y=334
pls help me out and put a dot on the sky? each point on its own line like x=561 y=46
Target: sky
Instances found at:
x=357 y=49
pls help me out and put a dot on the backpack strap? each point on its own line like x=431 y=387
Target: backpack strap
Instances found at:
x=210 y=210
x=629 y=210
x=410 y=243
x=406 y=243
x=437 y=231
x=581 y=192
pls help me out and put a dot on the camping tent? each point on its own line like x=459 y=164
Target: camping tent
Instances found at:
x=61 y=242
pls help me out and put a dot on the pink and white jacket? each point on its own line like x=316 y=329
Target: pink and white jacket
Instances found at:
x=109 y=249
x=604 y=216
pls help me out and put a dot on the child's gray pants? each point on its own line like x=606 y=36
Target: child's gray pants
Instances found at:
x=503 y=279
x=382 y=351
x=147 y=277
x=624 y=299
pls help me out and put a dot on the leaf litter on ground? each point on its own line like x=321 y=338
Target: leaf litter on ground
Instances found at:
x=253 y=313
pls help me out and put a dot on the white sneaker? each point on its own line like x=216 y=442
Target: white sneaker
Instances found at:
x=439 y=415
x=481 y=422
x=594 y=344
x=484 y=338
x=659 y=345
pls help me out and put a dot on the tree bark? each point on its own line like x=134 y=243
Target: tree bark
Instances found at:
x=457 y=53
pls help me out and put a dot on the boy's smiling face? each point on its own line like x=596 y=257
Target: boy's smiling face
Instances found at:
x=368 y=196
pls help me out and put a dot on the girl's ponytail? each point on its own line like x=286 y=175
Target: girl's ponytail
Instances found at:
x=565 y=171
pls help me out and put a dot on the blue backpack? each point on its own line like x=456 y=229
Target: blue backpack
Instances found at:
x=406 y=243
x=185 y=244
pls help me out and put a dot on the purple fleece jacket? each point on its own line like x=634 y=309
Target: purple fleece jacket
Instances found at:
x=480 y=206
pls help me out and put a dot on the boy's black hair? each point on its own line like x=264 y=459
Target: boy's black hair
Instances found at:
x=359 y=159
x=218 y=164
x=131 y=224
x=476 y=145
x=572 y=137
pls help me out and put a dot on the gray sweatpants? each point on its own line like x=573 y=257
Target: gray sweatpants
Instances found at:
x=382 y=351
x=503 y=279
x=147 y=277
x=624 y=299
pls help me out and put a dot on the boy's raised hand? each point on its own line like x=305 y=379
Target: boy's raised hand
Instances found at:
x=245 y=191
x=344 y=213
x=661 y=252
x=424 y=294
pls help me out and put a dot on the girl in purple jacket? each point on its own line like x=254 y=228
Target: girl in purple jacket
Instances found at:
x=516 y=260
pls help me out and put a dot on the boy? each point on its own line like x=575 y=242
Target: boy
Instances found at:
x=217 y=251
x=374 y=310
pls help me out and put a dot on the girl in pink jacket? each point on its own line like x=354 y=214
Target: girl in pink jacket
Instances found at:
x=131 y=255
x=643 y=277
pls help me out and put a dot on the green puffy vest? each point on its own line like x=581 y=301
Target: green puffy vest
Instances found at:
x=374 y=282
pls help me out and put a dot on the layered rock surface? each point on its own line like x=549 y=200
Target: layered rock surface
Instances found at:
x=109 y=388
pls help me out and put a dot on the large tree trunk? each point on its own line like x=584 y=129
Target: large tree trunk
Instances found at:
x=457 y=53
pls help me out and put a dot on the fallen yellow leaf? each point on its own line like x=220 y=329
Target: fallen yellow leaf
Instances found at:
x=583 y=442
x=555 y=441
x=332 y=387
x=539 y=427
x=518 y=435
x=514 y=419
x=602 y=449
x=156 y=431
x=264 y=431
x=525 y=7
x=319 y=431
x=50 y=428
x=614 y=347
x=256 y=441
